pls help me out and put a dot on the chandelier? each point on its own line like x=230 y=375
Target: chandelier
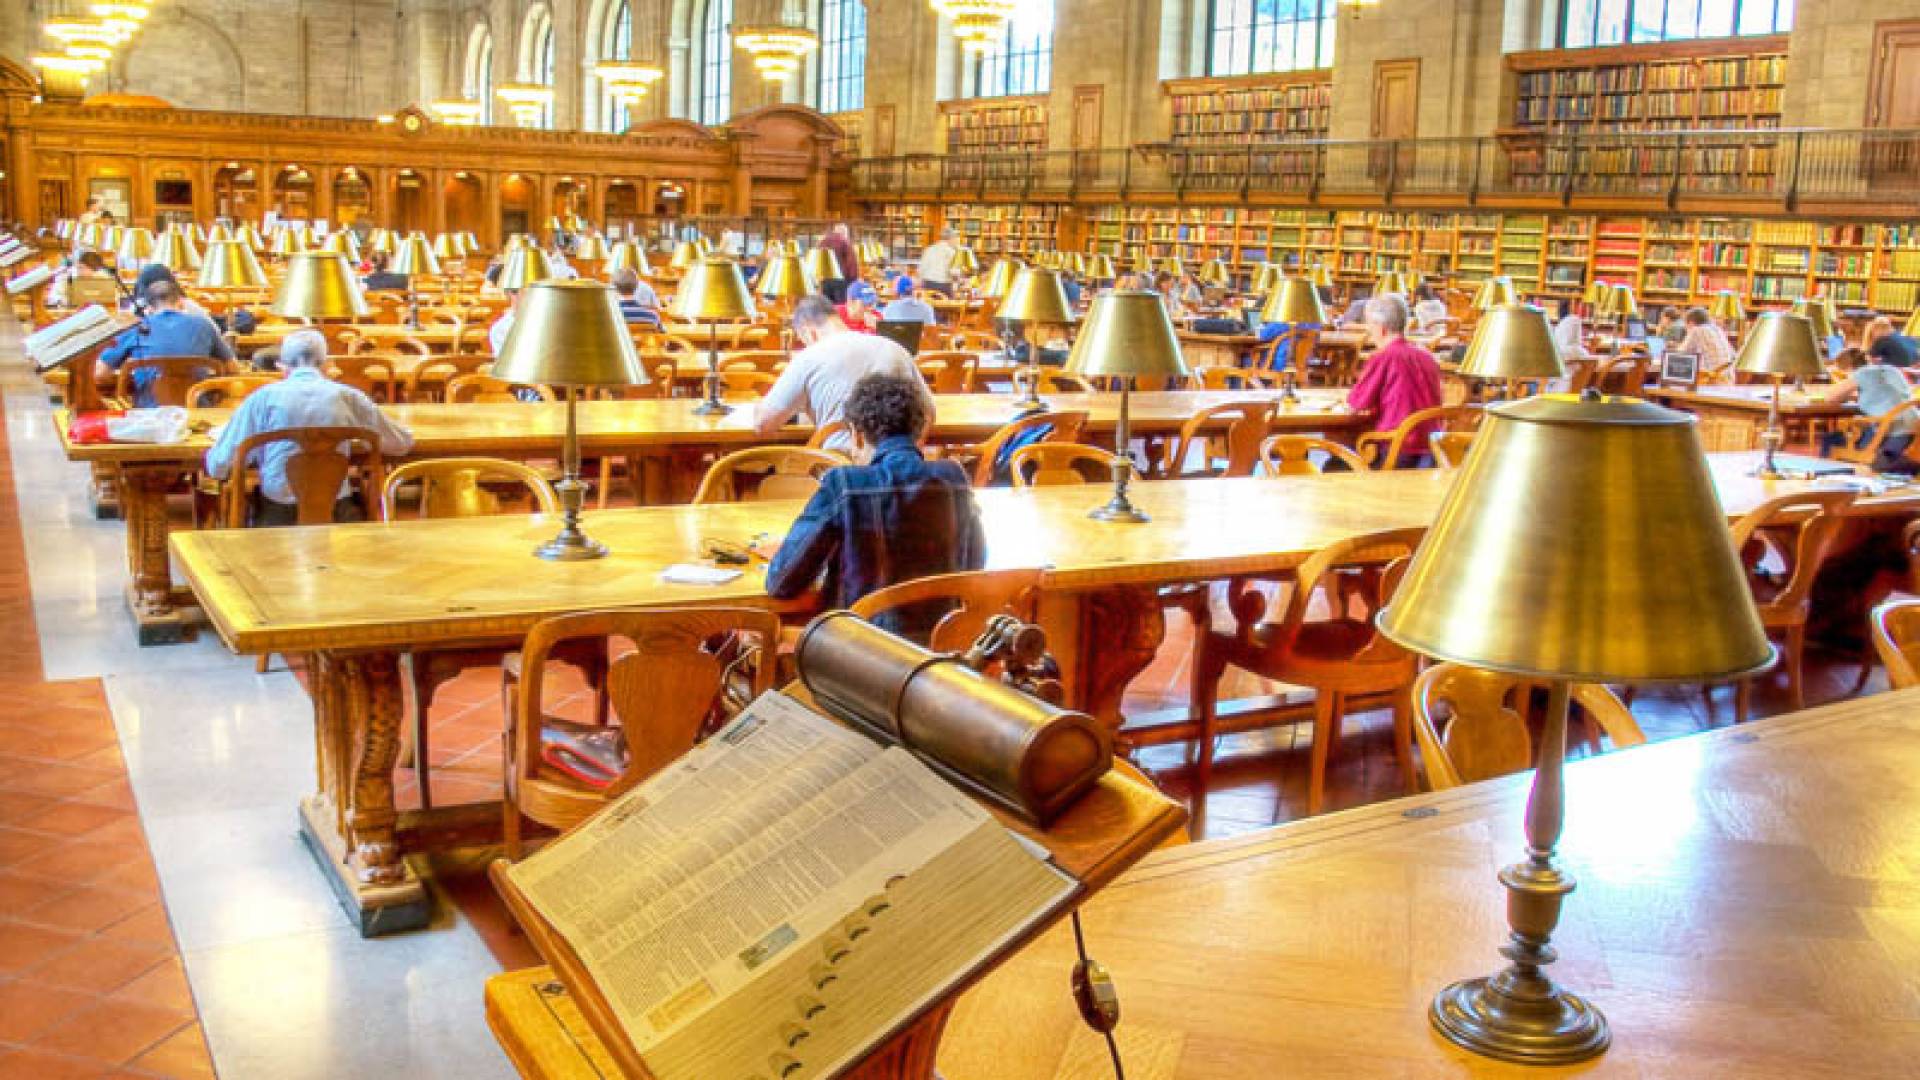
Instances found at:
x=526 y=101
x=627 y=80
x=85 y=43
x=977 y=23
x=456 y=112
x=1359 y=6
x=780 y=44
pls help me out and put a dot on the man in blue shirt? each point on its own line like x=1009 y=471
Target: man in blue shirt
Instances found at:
x=893 y=517
x=639 y=304
x=905 y=306
x=168 y=330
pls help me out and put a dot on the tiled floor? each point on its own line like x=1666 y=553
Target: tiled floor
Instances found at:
x=91 y=982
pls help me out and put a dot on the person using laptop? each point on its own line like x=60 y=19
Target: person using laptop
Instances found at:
x=906 y=305
x=1876 y=387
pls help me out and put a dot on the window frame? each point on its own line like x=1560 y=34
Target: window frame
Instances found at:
x=1736 y=14
x=1325 y=23
x=1024 y=72
x=842 y=65
x=617 y=45
x=713 y=97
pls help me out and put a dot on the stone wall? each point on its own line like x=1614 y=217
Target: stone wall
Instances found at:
x=1831 y=59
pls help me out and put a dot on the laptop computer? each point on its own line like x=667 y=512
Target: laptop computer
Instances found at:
x=905 y=333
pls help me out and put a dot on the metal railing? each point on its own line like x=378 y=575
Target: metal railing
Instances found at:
x=1781 y=166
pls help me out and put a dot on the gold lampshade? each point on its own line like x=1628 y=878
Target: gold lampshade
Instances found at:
x=686 y=255
x=1818 y=311
x=469 y=244
x=111 y=235
x=1726 y=307
x=1037 y=297
x=1513 y=341
x=1214 y=272
x=591 y=248
x=1321 y=275
x=1295 y=302
x=1172 y=265
x=1389 y=282
x=448 y=246
x=627 y=255
x=416 y=257
x=966 y=262
x=319 y=285
x=1267 y=278
x=249 y=236
x=1625 y=305
x=176 y=252
x=713 y=290
x=1078 y=261
x=569 y=333
x=516 y=242
x=1412 y=279
x=382 y=241
x=219 y=234
x=230 y=264
x=1913 y=325
x=1597 y=294
x=823 y=265
x=1100 y=268
x=1782 y=344
x=1127 y=333
x=705 y=245
x=136 y=247
x=286 y=242
x=1000 y=279
x=342 y=243
x=1538 y=562
x=523 y=267
x=784 y=278
x=1494 y=292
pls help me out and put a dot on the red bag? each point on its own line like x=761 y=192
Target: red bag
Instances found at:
x=90 y=428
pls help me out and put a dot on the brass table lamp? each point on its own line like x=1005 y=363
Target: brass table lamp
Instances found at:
x=964 y=262
x=1595 y=296
x=783 y=282
x=1624 y=305
x=570 y=334
x=1538 y=565
x=449 y=247
x=1512 y=342
x=1321 y=275
x=342 y=242
x=1780 y=346
x=1295 y=302
x=175 y=251
x=136 y=247
x=1267 y=278
x=230 y=266
x=1726 y=307
x=1000 y=279
x=1126 y=335
x=415 y=259
x=591 y=248
x=524 y=267
x=1912 y=328
x=286 y=242
x=714 y=291
x=1214 y=272
x=1818 y=311
x=1036 y=298
x=686 y=255
x=319 y=285
x=382 y=241
x=249 y=236
x=1494 y=292
x=822 y=264
x=1172 y=265
x=1389 y=282
x=627 y=255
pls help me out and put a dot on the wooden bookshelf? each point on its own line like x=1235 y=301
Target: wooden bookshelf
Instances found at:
x=903 y=228
x=1220 y=129
x=1014 y=231
x=1006 y=126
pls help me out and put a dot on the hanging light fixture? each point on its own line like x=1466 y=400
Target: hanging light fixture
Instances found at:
x=1357 y=7
x=628 y=77
x=456 y=112
x=977 y=23
x=779 y=44
x=526 y=101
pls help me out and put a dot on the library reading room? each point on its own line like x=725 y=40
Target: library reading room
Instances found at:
x=1153 y=539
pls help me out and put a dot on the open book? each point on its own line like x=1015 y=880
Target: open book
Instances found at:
x=32 y=279
x=15 y=255
x=781 y=900
x=54 y=345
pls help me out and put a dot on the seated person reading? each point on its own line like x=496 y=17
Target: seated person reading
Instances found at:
x=1875 y=385
x=168 y=330
x=893 y=516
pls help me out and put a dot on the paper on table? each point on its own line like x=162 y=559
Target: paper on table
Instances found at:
x=695 y=574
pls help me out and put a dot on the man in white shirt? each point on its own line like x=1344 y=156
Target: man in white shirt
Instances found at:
x=905 y=306
x=822 y=376
x=936 y=264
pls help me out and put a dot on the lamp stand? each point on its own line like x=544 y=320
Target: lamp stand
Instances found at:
x=1773 y=436
x=1031 y=401
x=713 y=406
x=1120 y=508
x=1288 y=394
x=413 y=305
x=1521 y=1015
x=571 y=545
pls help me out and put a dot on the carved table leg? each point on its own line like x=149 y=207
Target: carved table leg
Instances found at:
x=351 y=823
x=143 y=502
x=104 y=489
x=1120 y=631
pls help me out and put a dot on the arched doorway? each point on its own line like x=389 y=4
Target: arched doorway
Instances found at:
x=465 y=201
x=411 y=209
x=669 y=199
x=569 y=200
x=516 y=206
x=352 y=196
x=293 y=193
x=236 y=192
x=621 y=207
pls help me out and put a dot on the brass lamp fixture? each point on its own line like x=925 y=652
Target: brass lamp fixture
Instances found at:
x=1000 y=279
x=1321 y=275
x=1100 y=268
x=457 y=112
x=1389 y=282
x=686 y=256
x=176 y=252
x=1172 y=265
x=823 y=265
x=570 y=334
x=342 y=242
x=415 y=259
x=1511 y=343
x=449 y=247
x=1727 y=308
x=524 y=266
x=527 y=101
x=1780 y=346
x=627 y=255
x=1127 y=335
x=784 y=278
x=1037 y=298
x=381 y=241
x=1214 y=272
x=591 y=248
x=230 y=264
x=1912 y=329
x=1624 y=305
x=136 y=247
x=1537 y=566
x=965 y=262
x=319 y=285
x=469 y=243
x=1818 y=311
x=1267 y=278
x=286 y=242
x=250 y=236
x=1295 y=302
x=1494 y=292
x=713 y=291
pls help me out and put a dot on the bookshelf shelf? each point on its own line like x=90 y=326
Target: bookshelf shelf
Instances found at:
x=1222 y=129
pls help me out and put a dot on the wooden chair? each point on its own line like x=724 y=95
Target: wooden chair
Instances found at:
x=1338 y=657
x=949 y=371
x=767 y=360
x=1048 y=464
x=372 y=374
x=225 y=391
x=1869 y=453
x=823 y=433
x=1896 y=637
x=745 y=383
x=1051 y=381
x=985 y=456
x=663 y=689
x=1234 y=453
x=1623 y=375
x=1800 y=529
x=976 y=341
x=316 y=471
x=174 y=376
x=1222 y=377
x=428 y=381
x=1473 y=725
x=775 y=472
x=1292 y=455
x=487 y=390
x=1450 y=447
x=1383 y=449
x=974 y=596
x=1292 y=350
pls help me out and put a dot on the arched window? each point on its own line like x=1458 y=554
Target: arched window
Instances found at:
x=843 y=55
x=478 y=83
x=714 y=101
x=1245 y=37
x=543 y=67
x=1585 y=23
x=616 y=45
x=1023 y=61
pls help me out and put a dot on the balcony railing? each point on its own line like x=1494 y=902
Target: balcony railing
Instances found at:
x=1781 y=166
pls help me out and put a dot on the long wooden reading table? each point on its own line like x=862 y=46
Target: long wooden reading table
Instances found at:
x=356 y=597
x=1732 y=417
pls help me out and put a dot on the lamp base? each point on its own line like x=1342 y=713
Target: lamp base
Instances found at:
x=1521 y=1017
x=1119 y=510
x=1029 y=406
x=712 y=408
x=571 y=547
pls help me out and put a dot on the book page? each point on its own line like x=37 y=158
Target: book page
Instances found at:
x=82 y=330
x=33 y=278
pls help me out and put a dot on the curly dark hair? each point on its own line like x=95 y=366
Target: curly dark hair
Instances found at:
x=885 y=405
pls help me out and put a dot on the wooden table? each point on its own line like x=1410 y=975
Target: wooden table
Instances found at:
x=380 y=336
x=665 y=443
x=358 y=596
x=1221 y=350
x=1732 y=417
x=1745 y=908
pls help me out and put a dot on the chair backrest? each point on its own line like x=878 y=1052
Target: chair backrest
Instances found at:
x=1048 y=426
x=485 y=389
x=225 y=390
x=766 y=473
x=1292 y=455
x=1049 y=464
x=950 y=371
x=173 y=376
x=1222 y=377
x=1473 y=724
x=1389 y=551
x=1868 y=453
x=1815 y=518
x=1293 y=350
x=1246 y=423
x=372 y=374
x=1450 y=447
x=316 y=469
x=745 y=383
x=460 y=487
x=768 y=360
x=1437 y=419
x=976 y=596
x=823 y=433
x=429 y=379
x=663 y=689
x=1896 y=637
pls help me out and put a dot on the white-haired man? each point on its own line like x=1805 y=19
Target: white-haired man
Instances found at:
x=1399 y=379
x=303 y=398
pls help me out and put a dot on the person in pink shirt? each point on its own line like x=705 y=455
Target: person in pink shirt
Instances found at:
x=1398 y=380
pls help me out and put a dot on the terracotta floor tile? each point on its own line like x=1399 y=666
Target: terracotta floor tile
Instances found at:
x=15 y=805
x=28 y=1064
x=146 y=927
x=182 y=1056
x=135 y=874
x=74 y=819
x=83 y=861
x=165 y=987
x=28 y=1007
x=23 y=947
x=19 y=892
x=90 y=908
x=113 y=1030
x=101 y=965
x=19 y=846
x=114 y=793
x=23 y=774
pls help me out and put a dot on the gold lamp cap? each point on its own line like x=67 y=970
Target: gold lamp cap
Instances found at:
x=1000 y=279
x=1539 y=562
x=1215 y=273
x=176 y=252
x=1127 y=333
x=219 y=234
x=1100 y=268
x=1036 y=297
x=1321 y=275
x=569 y=333
x=1781 y=343
x=964 y=261
x=524 y=266
x=319 y=285
x=1295 y=302
x=686 y=255
x=591 y=247
x=1625 y=305
x=713 y=290
x=416 y=257
x=823 y=264
x=627 y=255
x=1494 y=292
x=136 y=247
x=1818 y=311
x=230 y=264
x=1727 y=307
x=1513 y=341
x=784 y=278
